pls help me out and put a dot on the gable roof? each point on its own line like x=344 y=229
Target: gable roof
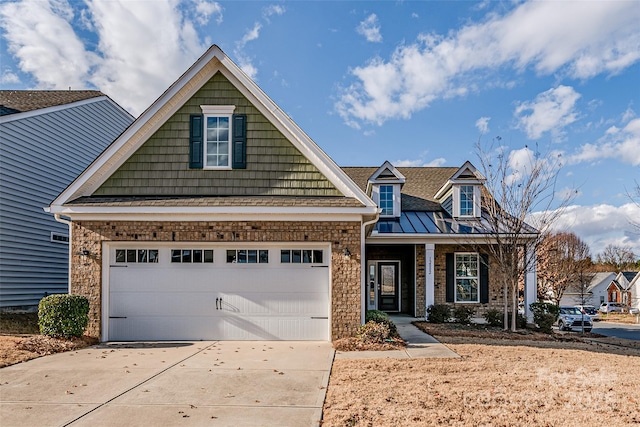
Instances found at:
x=212 y=62
x=21 y=101
x=386 y=173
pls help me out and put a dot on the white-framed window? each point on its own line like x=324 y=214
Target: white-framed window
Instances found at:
x=141 y=256
x=59 y=237
x=217 y=136
x=247 y=256
x=193 y=256
x=386 y=200
x=466 y=200
x=301 y=256
x=467 y=280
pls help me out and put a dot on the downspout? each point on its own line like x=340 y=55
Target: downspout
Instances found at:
x=363 y=266
x=65 y=221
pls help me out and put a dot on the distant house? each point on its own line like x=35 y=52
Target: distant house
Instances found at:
x=595 y=293
x=46 y=139
x=624 y=289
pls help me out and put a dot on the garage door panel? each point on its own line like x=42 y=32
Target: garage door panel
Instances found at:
x=218 y=301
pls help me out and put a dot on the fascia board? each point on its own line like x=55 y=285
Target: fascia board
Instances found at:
x=180 y=216
x=436 y=238
x=33 y=113
x=443 y=190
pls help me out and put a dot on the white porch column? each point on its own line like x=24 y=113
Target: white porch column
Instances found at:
x=429 y=285
x=530 y=283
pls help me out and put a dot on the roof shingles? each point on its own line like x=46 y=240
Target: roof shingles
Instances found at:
x=21 y=101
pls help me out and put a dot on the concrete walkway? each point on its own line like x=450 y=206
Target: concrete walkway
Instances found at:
x=229 y=383
x=419 y=344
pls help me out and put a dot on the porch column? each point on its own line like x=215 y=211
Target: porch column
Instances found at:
x=429 y=284
x=530 y=283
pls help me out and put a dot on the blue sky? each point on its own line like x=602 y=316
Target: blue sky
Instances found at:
x=415 y=83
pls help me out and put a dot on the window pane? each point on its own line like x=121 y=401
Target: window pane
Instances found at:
x=285 y=256
x=121 y=255
x=296 y=256
x=263 y=256
x=208 y=255
x=467 y=290
x=142 y=255
x=317 y=256
x=153 y=255
x=186 y=255
x=306 y=256
x=223 y=135
x=223 y=122
x=231 y=256
x=197 y=255
x=176 y=255
x=131 y=255
x=253 y=256
x=223 y=160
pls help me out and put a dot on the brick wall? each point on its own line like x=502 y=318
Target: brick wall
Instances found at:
x=86 y=272
x=420 y=280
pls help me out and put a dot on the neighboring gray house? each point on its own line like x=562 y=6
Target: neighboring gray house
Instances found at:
x=595 y=293
x=47 y=138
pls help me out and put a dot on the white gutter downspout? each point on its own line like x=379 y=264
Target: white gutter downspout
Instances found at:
x=64 y=221
x=363 y=266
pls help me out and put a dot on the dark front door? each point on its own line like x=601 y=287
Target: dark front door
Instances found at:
x=388 y=276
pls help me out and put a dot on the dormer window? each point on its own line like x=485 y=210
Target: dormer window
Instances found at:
x=466 y=200
x=384 y=188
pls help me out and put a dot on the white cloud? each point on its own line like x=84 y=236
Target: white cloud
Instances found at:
x=549 y=112
x=141 y=49
x=370 y=29
x=274 y=9
x=483 y=124
x=575 y=39
x=420 y=162
x=205 y=9
x=622 y=144
x=628 y=115
x=599 y=225
x=9 y=77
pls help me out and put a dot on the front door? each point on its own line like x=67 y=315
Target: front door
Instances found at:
x=388 y=290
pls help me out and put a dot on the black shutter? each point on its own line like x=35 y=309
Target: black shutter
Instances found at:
x=484 y=279
x=196 y=151
x=239 y=150
x=451 y=278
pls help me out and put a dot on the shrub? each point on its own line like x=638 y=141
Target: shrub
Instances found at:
x=63 y=315
x=373 y=332
x=463 y=314
x=439 y=313
x=544 y=315
x=494 y=317
x=378 y=316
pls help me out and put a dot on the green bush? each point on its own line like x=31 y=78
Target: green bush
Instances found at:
x=63 y=315
x=494 y=317
x=439 y=313
x=378 y=316
x=463 y=314
x=544 y=315
x=374 y=332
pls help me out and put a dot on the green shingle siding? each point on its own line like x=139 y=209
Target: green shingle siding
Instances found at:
x=161 y=166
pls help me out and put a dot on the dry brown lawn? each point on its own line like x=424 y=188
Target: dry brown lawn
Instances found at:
x=498 y=381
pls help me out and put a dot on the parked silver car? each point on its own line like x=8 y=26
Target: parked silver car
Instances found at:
x=610 y=307
x=572 y=318
x=590 y=310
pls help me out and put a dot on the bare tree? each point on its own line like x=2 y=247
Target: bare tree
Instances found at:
x=519 y=183
x=618 y=258
x=562 y=261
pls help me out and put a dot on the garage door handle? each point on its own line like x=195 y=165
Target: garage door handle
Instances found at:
x=119 y=266
x=217 y=303
x=117 y=317
x=319 y=266
x=320 y=317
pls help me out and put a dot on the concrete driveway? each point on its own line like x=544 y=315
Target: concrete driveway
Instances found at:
x=227 y=383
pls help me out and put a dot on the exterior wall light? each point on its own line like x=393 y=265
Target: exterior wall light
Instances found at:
x=346 y=253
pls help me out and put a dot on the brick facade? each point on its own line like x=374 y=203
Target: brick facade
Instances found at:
x=420 y=281
x=86 y=272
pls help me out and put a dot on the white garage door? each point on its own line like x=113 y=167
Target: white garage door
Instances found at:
x=195 y=292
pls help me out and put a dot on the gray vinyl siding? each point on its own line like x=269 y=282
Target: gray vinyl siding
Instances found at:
x=40 y=156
